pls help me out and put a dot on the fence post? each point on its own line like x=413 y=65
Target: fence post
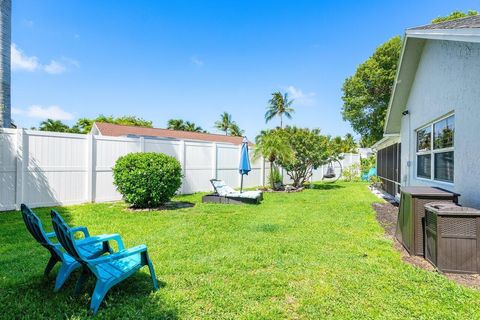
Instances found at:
x=262 y=172
x=141 y=140
x=182 y=163
x=239 y=155
x=214 y=160
x=90 y=163
x=22 y=163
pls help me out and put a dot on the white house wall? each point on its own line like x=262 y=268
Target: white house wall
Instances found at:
x=447 y=80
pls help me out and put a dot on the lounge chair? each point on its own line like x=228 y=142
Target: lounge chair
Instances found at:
x=110 y=269
x=91 y=247
x=226 y=194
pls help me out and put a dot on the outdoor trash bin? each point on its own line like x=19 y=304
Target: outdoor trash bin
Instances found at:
x=452 y=237
x=411 y=212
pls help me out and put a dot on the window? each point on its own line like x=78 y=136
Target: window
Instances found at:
x=435 y=155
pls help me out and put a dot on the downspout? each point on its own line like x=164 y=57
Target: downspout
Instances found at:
x=409 y=166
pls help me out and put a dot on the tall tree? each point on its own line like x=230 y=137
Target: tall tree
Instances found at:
x=310 y=150
x=273 y=147
x=176 y=124
x=455 y=15
x=235 y=130
x=5 y=63
x=278 y=106
x=224 y=123
x=191 y=126
x=54 y=126
x=348 y=144
x=366 y=94
x=84 y=125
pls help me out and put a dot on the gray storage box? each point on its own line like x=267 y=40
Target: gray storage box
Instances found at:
x=452 y=240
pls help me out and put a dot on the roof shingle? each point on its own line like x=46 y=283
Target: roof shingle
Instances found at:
x=471 y=22
x=115 y=130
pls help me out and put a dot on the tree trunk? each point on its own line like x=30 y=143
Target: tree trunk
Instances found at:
x=272 y=183
x=5 y=62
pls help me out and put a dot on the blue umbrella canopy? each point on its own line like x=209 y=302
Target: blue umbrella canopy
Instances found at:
x=244 y=167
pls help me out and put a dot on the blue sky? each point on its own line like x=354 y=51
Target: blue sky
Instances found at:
x=195 y=59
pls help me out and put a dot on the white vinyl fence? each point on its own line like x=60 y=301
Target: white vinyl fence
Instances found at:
x=46 y=168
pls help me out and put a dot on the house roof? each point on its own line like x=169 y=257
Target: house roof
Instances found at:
x=115 y=130
x=463 y=30
x=462 y=23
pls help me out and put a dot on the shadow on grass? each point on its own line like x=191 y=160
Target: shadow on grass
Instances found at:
x=131 y=299
x=268 y=227
x=324 y=186
x=29 y=294
x=172 y=205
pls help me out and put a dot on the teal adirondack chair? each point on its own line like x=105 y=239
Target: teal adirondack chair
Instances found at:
x=110 y=269
x=91 y=249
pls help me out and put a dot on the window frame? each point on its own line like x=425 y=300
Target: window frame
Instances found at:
x=433 y=151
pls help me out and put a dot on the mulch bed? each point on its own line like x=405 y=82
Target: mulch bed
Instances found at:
x=387 y=217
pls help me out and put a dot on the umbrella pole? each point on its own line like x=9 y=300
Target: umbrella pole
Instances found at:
x=241 y=184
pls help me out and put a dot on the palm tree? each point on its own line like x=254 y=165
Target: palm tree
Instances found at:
x=224 y=123
x=271 y=145
x=5 y=62
x=349 y=144
x=191 y=126
x=279 y=105
x=235 y=130
x=53 y=125
x=176 y=124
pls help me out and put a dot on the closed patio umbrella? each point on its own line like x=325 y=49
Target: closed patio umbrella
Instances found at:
x=244 y=167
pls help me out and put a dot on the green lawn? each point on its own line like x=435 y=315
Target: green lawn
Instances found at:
x=310 y=255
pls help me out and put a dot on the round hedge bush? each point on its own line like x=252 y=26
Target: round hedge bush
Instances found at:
x=147 y=180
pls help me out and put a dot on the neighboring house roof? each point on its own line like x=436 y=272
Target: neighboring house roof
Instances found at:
x=462 y=23
x=463 y=30
x=115 y=130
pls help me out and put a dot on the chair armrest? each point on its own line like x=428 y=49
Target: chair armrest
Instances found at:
x=51 y=235
x=119 y=255
x=102 y=238
x=81 y=229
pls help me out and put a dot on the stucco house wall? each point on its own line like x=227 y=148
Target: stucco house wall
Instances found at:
x=447 y=80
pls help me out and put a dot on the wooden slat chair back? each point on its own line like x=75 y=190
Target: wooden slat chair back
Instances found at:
x=109 y=269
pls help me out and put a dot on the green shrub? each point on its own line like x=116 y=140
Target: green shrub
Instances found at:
x=275 y=178
x=147 y=180
x=368 y=163
x=352 y=173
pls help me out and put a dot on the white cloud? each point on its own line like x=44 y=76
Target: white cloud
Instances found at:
x=306 y=99
x=20 y=61
x=23 y=62
x=17 y=111
x=196 y=61
x=28 y=23
x=40 y=112
x=55 y=67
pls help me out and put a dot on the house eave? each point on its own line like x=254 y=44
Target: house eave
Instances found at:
x=387 y=140
x=463 y=35
x=410 y=56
